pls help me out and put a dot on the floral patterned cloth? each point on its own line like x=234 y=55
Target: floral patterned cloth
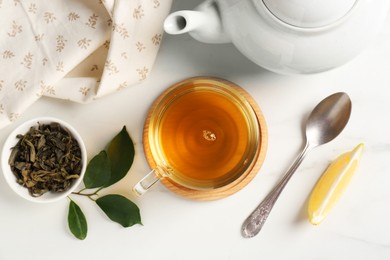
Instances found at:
x=77 y=50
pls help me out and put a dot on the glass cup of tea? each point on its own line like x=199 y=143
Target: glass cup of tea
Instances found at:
x=201 y=136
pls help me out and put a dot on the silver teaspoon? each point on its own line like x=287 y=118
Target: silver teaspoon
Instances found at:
x=325 y=122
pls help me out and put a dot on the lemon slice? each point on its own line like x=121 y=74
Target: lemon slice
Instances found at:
x=332 y=184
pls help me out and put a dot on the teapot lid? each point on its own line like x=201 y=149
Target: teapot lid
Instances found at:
x=309 y=13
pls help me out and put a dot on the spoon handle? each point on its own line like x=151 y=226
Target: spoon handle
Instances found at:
x=253 y=224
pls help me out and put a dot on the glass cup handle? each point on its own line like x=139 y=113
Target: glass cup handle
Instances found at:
x=149 y=180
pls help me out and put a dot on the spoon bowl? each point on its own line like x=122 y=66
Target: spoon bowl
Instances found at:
x=328 y=118
x=325 y=123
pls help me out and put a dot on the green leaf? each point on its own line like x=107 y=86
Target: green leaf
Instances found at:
x=121 y=154
x=98 y=171
x=76 y=221
x=119 y=209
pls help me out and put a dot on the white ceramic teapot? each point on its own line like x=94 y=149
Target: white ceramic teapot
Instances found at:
x=286 y=36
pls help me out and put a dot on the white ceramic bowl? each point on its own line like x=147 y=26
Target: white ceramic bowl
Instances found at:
x=10 y=177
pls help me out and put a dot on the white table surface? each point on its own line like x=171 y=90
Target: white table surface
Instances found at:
x=177 y=228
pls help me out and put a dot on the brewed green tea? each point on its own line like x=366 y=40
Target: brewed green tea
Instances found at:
x=205 y=137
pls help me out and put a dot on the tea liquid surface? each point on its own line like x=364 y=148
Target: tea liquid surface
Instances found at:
x=204 y=135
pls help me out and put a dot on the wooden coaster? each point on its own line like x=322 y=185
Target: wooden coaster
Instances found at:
x=236 y=185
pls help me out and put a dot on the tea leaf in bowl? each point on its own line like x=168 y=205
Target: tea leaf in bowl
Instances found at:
x=98 y=171
x=46 y=158
x=119 y=209
x=76 y=221
x=121 y=154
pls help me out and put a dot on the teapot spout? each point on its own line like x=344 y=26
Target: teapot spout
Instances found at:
x=204 y=24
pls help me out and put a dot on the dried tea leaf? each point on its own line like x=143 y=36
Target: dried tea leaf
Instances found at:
x=76 y=221
x=121 y=154
x=98 y=171
x=119 y=209
x=46 y=158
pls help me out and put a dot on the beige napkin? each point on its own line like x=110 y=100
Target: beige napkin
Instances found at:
x=77 y=50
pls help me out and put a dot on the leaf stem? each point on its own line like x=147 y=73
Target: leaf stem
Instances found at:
x=87 y=194
x=91 y=198
x=99 y=190
x=83 y=189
